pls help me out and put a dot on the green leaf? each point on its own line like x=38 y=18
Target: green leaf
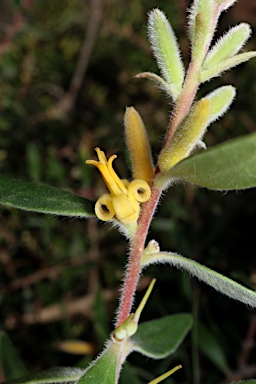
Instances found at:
x=228 y=45
x=11 y=364
x=161 y=83
x=186 y=137
x=228 y=166
x=54 y=375
x=226 y=3
x=159 y=338
x=166 y=50
x=219 y=282
x=207 y=74
x=211 y=348
x=40 y=198
x=201 y=20
x=103 y=369
x=221 y=100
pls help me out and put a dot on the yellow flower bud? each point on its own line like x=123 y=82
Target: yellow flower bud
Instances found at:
x=138 y=145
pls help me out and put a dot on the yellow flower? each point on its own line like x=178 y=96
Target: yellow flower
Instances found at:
x=125 y=197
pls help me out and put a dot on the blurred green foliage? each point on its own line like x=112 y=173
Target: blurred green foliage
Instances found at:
x=52 y=269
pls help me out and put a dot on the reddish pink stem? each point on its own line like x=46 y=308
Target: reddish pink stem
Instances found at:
x=134 y=267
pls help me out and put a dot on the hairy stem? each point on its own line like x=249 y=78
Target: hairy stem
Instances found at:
x=137 y=245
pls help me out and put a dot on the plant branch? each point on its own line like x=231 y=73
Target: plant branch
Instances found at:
x=190 y=87
x=137 y=245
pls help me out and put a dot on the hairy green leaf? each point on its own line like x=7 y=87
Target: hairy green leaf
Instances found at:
x=228 y=45
x=209 y=73
x=185 y=139
x=40 y=198
x=201 y=20
x=219 y=282
x=51 y=376
x=159 y=81
x=159 y=338
x=10 y=363
x=166 y=50
x=227 y=166
x=103 y=369
x=221 y=99
x=226 y=3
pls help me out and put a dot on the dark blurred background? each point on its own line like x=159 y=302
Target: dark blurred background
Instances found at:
x=66 y=76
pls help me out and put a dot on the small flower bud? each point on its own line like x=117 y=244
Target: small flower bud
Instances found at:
x=138 y=145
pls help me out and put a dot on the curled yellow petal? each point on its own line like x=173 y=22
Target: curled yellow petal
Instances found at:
x=138 y=145
x=104 y=208
x=140 y=190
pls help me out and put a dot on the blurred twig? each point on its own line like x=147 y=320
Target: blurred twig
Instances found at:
x=248 y=343
x=67 y=102
x=70 y=306
x=13 y=26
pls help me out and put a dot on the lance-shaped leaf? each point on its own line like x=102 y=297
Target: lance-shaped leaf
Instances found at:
x=162 y=337
x=51 y=376
x=220 y=99
x=159 y=81
x=166 y=51
x=201 y=27
x=207 y=74
x=187 y=135
x=227 y=166
x=10 y=363
x=41 y=198
x=219 y=282
x=228 y=45
x=104 y=369
x=225 y=4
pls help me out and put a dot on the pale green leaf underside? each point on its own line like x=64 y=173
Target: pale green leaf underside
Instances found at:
x=40 y=198
x=10 y=362
x=54 y=375
x=228 y=166
x=159 y=338
x=103 y=370
x=219 y=282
